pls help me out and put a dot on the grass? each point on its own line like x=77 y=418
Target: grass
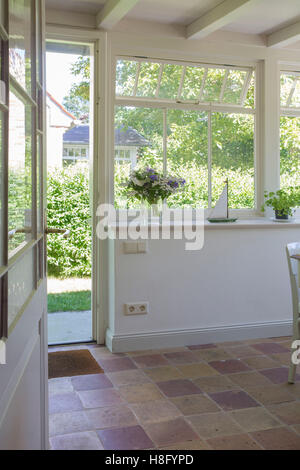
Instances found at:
x=69 y=301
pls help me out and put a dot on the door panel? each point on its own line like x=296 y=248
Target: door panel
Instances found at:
x=23 y=298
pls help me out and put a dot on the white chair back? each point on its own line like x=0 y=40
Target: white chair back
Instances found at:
x=294 y=249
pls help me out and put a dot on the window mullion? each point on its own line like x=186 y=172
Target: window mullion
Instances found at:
x=136 y=78
x=245 y=88
x=209 y=158
x=291 y=93
x=202 y=84
x=223 y=86
x=181 y=82
x=159 y=80
x=165 y=143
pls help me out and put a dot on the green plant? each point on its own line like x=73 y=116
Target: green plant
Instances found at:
x=69 y=301
x=282 y=201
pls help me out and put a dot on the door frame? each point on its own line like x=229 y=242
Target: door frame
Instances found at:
x=100 y=278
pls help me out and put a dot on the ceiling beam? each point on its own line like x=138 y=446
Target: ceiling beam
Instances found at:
x=113 y=11
x=285 y=36
x=223 y=14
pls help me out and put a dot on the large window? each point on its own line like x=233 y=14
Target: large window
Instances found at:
x=290 y=129
x=194 y=121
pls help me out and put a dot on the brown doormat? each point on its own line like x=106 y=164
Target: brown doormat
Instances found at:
x=70 y=363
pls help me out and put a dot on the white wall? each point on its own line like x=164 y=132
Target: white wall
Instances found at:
x=236 y=287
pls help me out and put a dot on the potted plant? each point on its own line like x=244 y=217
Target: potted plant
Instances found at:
x=150 y=187
x=282 y=201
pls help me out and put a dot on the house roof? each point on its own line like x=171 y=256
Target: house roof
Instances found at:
x=123 y=136
x=60 y=106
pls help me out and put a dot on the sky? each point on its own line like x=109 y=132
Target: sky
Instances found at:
x=58 y=75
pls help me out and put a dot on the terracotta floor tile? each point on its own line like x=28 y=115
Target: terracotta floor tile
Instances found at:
x=270 y=394
x=259 y=362
x=283 y=358
x=197 y=370
x=233 y=400
x=212 y=354
x=65 y=423
x=293 y=389
x=181 y=357
x=249 y=379
x=228 y=344
x=214 y=424
x=156 y=351
x=160 y=374
x=270 y=348
x=115 y=365
x=255 y=419
x=60 y=385
x=128 y=377
x=130 y=438
x=229 y=366
x=177 y=388
x=87 y=440
x=64 y=402
x=170 y=432
x=98 y=398
x=278 y=439
x=242 y=351
x=296 y=428
x=289 y=413
x=140 y=393
x=104 y=353
x=91 y=382
x=193 y=347
x=151 y=360
x=195 y=404
x=218 y=383
x=188 y=445
x=155 y=411
x=237 y=442
x=110 y=417
x=278 y=375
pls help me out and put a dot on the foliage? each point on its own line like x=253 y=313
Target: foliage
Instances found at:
x=68 y=207
x=77 y=101
x=150 y=185
x=69 y=301
x=283 y=201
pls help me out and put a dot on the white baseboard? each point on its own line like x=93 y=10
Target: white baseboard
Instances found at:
x=178 y=338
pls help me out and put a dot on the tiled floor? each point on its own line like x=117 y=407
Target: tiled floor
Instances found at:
x=217 y=396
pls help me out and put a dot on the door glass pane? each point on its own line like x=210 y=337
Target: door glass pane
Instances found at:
x=2 y=13
x=19 y=184
x=141 y=128
x=20 y=285
x=38 y=41
x=233 y=158
x=1 y=188
x=187 y=157
x=20 y=42
x=38 y=182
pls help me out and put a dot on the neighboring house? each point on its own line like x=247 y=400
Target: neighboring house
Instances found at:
x=68 y=141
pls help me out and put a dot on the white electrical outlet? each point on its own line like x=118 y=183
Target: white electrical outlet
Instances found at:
x=137 y=308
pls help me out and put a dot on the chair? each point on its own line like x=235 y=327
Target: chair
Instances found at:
x=293 y=249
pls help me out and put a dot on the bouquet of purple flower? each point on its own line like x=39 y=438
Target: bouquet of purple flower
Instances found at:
x=147 y=184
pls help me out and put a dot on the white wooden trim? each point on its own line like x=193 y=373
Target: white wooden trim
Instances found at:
x=113 y=11
x=223 y=14
x=285 y=36
x=180 y=338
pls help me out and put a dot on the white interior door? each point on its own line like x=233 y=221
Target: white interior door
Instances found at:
x=23 y=345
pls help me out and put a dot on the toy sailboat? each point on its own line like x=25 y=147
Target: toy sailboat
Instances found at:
x=220 y=211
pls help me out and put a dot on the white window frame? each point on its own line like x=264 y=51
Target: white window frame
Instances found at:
x=191 y=105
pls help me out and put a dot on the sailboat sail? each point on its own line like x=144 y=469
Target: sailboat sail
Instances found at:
x=221 y=208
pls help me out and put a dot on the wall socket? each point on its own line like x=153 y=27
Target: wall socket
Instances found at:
x=136 y=308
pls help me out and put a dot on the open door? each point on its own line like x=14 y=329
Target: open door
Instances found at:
x=23 y=324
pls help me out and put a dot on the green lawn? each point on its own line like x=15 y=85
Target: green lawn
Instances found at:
x=69 y=301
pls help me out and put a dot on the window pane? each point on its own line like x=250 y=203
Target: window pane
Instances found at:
x=187 y=156
x=20 y=41
x=20 y=285
x=141 y=128
x=233 y=158
x=170 y=81
x=19 y=184
x=289 y=152
x=192 y=83
x=213 y=85
x=39 y=158
x=250 y=95
x=38 y=41
x=148 y=78
x=125 y=77
x=287 y=83
x=295 y=101
x=234 y=86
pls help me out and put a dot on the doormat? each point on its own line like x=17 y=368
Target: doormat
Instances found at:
x=70 y=363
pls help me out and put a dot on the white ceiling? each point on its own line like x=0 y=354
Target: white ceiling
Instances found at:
x=262 y=18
